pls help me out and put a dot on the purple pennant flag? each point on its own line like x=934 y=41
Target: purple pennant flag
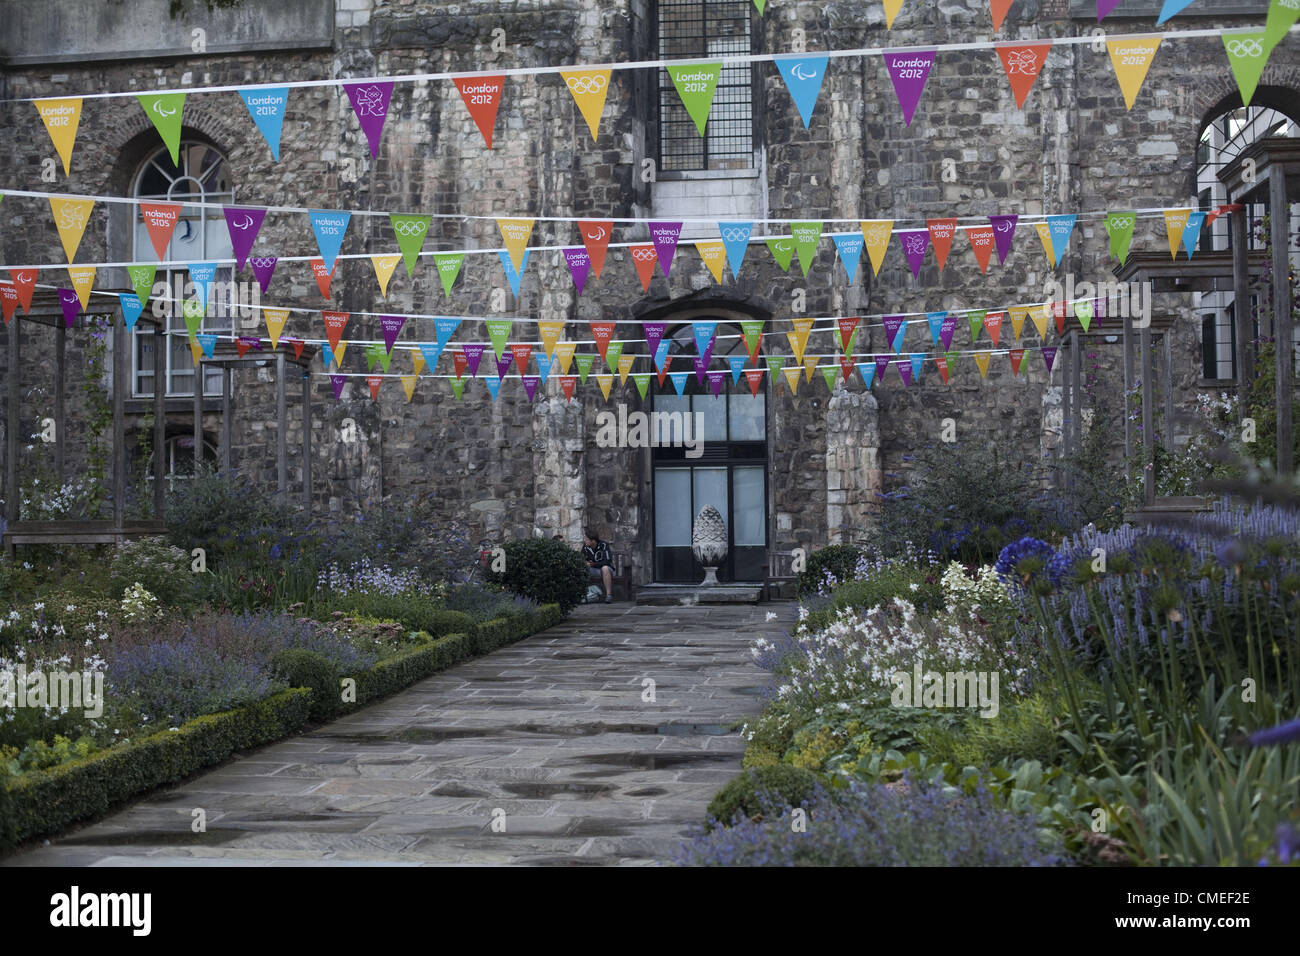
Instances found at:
x=701 y=368
x=1004 y=230
x=904 y=367
x=338 y=381
x=263 y=269
x=71 y=306
x=914 y=242
x=251 y=342
x=716 y=381
x=664 y=235
x=892 y=324
x=946 y=330
x=909 y=71
x=579 y=265
x=530 y=385
x=243 y=226
x=882 y=365
x=1104 y=7
x=370 y=103
x=392 y=327
x=473 y=354
x=503 y=364
x=654 y=333
x=1049 y=355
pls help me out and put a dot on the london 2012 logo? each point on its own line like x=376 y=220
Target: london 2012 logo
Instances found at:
x=370 y=102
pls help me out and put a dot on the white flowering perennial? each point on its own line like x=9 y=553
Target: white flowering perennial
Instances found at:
x=985 y=590
x=139 y=605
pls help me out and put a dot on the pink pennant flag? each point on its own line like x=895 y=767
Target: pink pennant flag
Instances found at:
x=579 y=265
x=243 y=226
x=664 y=235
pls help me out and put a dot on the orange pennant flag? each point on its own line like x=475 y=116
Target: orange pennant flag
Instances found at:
x=1017 y=356
x=602 y=332
x=1022 y=63
x=322 y=276
x=160 y=220
x=993 y=322
x=646 y=259
x=482 y=96
x=941 y=235
x=334 y=323
x=595 y=236
x=981 y=243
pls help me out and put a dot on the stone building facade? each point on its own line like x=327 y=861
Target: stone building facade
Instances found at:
x=809 y=473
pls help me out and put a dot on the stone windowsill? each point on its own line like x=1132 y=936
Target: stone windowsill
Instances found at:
x=681 y=175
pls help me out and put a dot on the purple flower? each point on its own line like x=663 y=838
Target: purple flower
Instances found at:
x=1281 y=734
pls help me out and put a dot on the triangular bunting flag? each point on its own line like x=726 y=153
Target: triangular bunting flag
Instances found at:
x=579 y=263
x=941 y=233
x=275 y=320
x=714 y=255
x=329 y=227
x=589 y=89
x=384 y=266
x=322 y=275
x=982 y=363
x=981 y=243
x=909 y=71
x=664 y=235
x=410 y=232
x=160 y=220
x=482 y=96
x=1131 y=57
x=448 y=264
x=875 y=235
x=515 y=234
x=803 y=75
x=243 y=226
x=595 y=236
x=696 y=85
x=370 y=103
x=644 y=257
x=266 y=106
x=1248 y=52
x=849 y=249
x=1022 y=63
x=805 y=235
x=914 y=242
x=606 y=382
x=514 y=276
x=164 y=111
x=61 y=118
x=782 y=249
x=1175 y=223
x=1004 y=231
x=1119 y=226
x=70 y=218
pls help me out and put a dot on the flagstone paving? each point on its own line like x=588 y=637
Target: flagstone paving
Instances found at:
x=551 y=735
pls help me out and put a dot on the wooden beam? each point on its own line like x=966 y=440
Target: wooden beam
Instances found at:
x=1242 y=315
x=159 y=427
x=227 y=430
x=13 y=396
x=119 y=421
x=198 y=415
x=306 y=440
x=1283 y=334
x=1076 y=412
x=1128 y=384
x=60 y=380
x=1148 y=418
x=281 y=427
x=1167 y=387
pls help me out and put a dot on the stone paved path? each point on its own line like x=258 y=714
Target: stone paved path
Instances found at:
x=552 y=731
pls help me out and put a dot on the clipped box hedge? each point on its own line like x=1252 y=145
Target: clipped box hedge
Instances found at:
x=46 y=801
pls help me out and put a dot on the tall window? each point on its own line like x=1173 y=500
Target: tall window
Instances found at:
x=200 y=236
x=707 y=28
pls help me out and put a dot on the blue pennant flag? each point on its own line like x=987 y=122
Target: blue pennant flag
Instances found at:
x=326 y=355
x=444 y=328
x=850 y=250
x=936 y=325
x=493 y=385
x=329 y=225
x=543 y=365
x=1192 y=232
x=704 y=332
x=131 y=308
x=918 y=360
x=267 y=109
x=735 y=239
x=661 y=354
x=202 y=274
x=803 y=74
x=431 y=354
x=1060 y=228
x=897 y=344
x=208 y=341
x=868 y=372
x=737 y=363
x=514 y=277
x=1172 y=8
x=679 y=380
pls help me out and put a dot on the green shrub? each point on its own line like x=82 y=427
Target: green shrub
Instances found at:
x=299 y=667
x=162 y=569
x=548 y=571
x=1024 y=728
x=837 y=560
x=416 y=612
x=741 y=797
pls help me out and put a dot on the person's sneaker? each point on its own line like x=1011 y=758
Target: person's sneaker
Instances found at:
x=609 y=599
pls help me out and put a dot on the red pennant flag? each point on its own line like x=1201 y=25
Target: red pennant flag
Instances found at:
x=522 y=354
x=160 y=220
x=242 y=345
x=482 y=96
x=1022 y=63
x=999 y=10
x=1017 y=356
x=8 y=300
x=663 y=372
x=567 y=384
x=846 y=366
x=25 y=283
x=646 y=259
x=297 y=346
x=602 y=332
x=993 y=322
x=595 y=236
x=1221 y=211
x=942 y=362
x=847 y=325
x=323 y=275
x=981 y=243
x=334 y=322
x=374 y=381
x=941 y=235
x=754 y=376
x=460 y=362
x=1059 y=309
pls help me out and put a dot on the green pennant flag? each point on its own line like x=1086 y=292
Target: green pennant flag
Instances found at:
x=385 y=358
x=696 y=86
x=612 y=353
x=1282 y=15
x=498 y=332
x=642 y=380
x=458 y=386
x=164 y=110
x=806 y=235
x=830 y=373
x=782 y=249
x=193 y=311
x=753 y=332
x=583 y=360
x=448 y=264
x=410 y=231
x=1119 y=226
x=774 y=365
x=976 y=320
x=1248 y=52
x=1083 y=311
x=952 y=360
x=142 y=281
x=852 y=345
x=373 y=351
x=760 y=4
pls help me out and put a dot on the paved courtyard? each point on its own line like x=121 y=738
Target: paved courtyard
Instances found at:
x=550 y=738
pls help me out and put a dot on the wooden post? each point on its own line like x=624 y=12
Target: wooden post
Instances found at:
x=1148 y=418
x=119 y=422
x=159 y=426
x=60 y=376
x=1241 y=309
x=227 y=432
x=198 y=415
x=13 y=395
x=1167 y=386
x=1128 y=385
x=306 y=440
x=1283 y=334
x=282 y=421
x=1076 y=412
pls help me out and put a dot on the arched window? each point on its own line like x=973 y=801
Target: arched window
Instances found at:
x=200 y=236
x=1222 y=141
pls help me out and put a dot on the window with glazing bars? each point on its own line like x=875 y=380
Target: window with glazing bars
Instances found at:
x=707 y=28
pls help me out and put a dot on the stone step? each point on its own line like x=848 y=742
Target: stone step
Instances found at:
x=668 y=595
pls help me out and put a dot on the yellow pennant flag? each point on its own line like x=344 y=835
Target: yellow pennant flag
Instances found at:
x=875 y=236
x=1045 y=235
x=1018 y=314
x=384 y=266
x=1039 y=314
x=1175 y=223
x=714 y=254
x=338 y=354
x=83 y=279
x=417 y=361
x=809 y=366
x=799 y=337
x=1131 y=57
x=564 y=352
x=589 y=89
x=196 y=350
x=515 y=233
x=61 y=118
x=408 y=385
x=791 y=378
x=891 y=12
x=624 y=366
x=70 y=218
x=275 y=319
x=550 y=332
x=605 y=381
x=982 y=360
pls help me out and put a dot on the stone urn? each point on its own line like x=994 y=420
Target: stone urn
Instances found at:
x=709 y=543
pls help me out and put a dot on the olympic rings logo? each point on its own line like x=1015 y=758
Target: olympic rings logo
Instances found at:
x=735 y=235
x=410 y=228
x=260 y=262
x=587 y=83
x=1246 y=46
x=644 y=255
x=1119 y=222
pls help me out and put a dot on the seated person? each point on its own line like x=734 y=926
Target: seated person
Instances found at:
x=600 y=561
